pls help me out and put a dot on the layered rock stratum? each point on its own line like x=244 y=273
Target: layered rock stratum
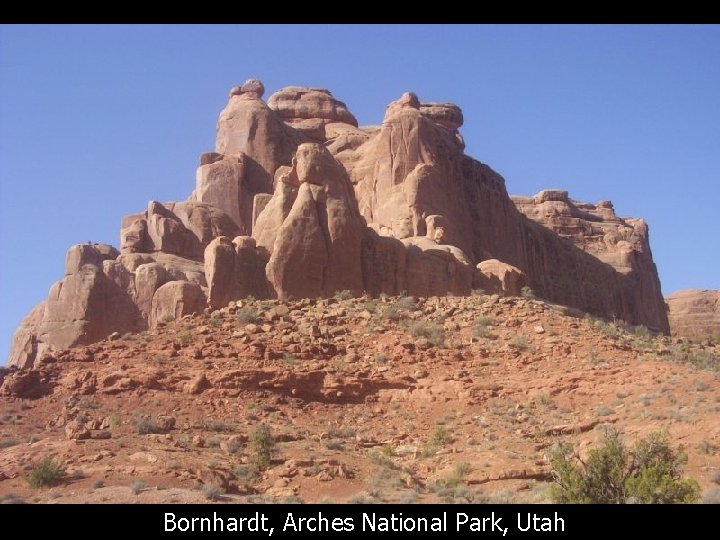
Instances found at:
x=694 y=313
x=298 y=201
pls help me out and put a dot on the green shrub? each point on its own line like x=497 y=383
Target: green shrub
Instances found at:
x=520 y=343
x=527 y=292
x=392 y=313
x=167 y=319
x=612 y=474
x=481 y=328
x=439 y=437
x=643 y=332
x=247 y=315
x=246 y=474
x=406 y=303
x=138 y=486
x=457 y=478
x=218 y=426
x=430 y=331
x=185 y=338
x=213 y=492
x=344 y=295
x=147 y=425
x=47 y=472
x=263 y=446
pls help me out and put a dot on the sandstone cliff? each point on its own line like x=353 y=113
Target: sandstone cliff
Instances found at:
x=298 y=201
x=694 y=313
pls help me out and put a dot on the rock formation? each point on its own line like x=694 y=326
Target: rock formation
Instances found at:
x=298 y=201
x=694 y=313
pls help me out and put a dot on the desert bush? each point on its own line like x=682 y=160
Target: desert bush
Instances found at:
x=185 y=338
x=430 y=331
x=643 y=332
x=138 y=486
x=701 y=359
x=481 y=329
x=345 y=432
x=167 y=319
x=527 y=292
x=218 y=426
x=520 y=343
x=334 y=444
x=344 y=295
x=213 y=492
x=439 y=437
x=613 y=474
x=7 y=442
x=247 y=315
x=263 y=446
x=457 y=477
x=246 y=474
x=46 y=472
x=392 y=313
x=146 y=425
x=406 y=303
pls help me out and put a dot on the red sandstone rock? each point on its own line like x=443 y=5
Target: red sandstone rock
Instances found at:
x=25 y=340
x=694 y=313
x=317 y=248
x=296 y=103
x=498 y=277
x=392 y=208
x=234 y=270
x=175 y=299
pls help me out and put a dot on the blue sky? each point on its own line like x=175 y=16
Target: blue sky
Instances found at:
x=97 y=120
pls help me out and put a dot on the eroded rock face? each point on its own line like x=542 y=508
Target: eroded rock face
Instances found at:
x=694 y=313
x=85 y=306
x=309 y=110
x=234 y=270
x=182 y=229
x=626 y=286
x=25 y=341
x=298 y=201
x=316 y=250
x=248 y=126
x=176 y=299
x=500 y=278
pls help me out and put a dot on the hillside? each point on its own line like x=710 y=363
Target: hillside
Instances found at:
x=390 y=399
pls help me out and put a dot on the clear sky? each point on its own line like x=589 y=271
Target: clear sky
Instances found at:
x=95 y=121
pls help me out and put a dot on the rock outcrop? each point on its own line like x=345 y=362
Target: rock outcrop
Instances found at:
x=612 y=261
x=694 y=313
x=297 y=200
x=500 y=278
x=317 y=248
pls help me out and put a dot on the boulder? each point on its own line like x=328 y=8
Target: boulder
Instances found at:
x=148 y=279
x=176 y=299
x=297 y=103
x=497 y=277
